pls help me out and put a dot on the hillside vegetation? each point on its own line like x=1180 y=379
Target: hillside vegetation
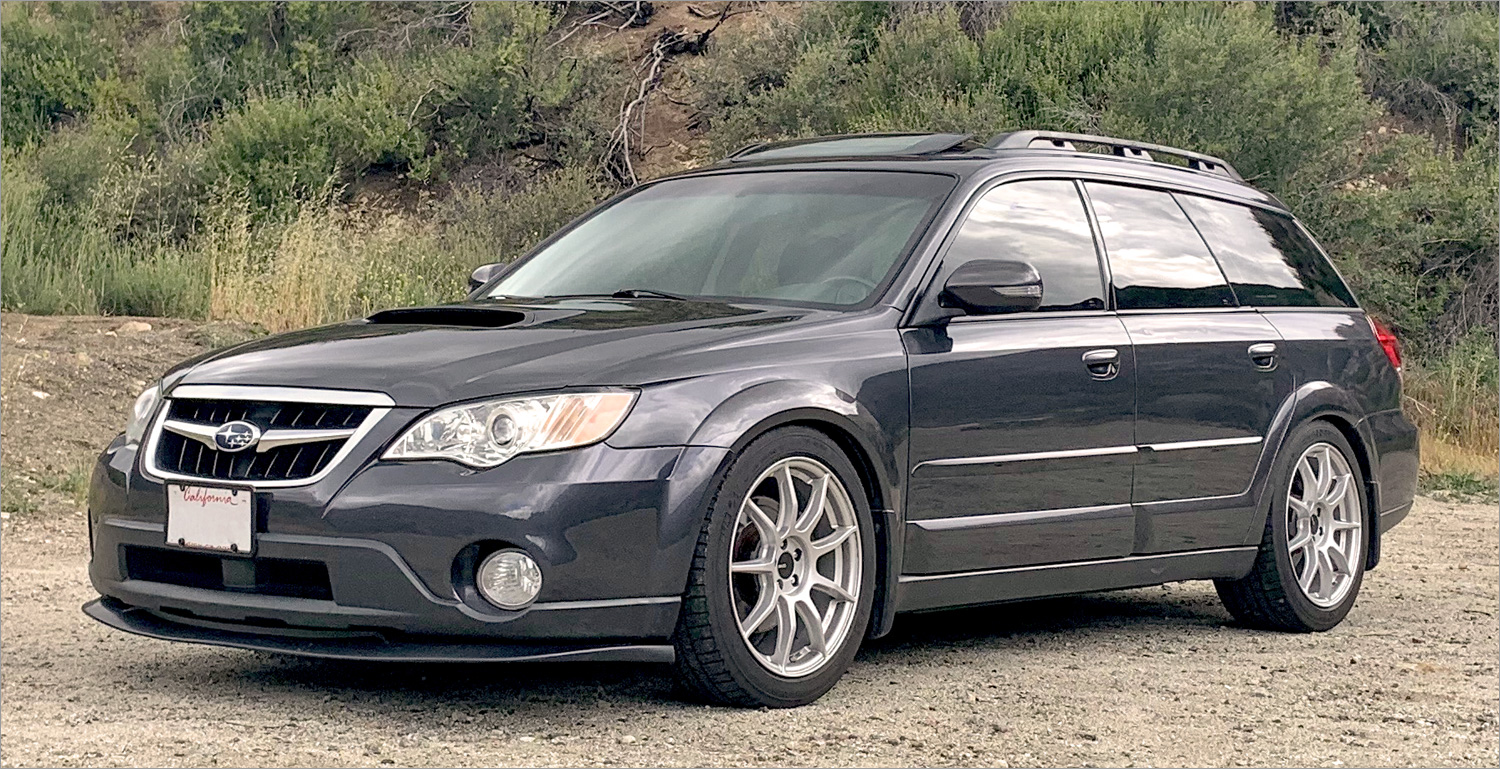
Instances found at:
x=291 y=163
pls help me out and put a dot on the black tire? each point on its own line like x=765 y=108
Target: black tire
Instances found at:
x=1269 y=596
x=714 y=664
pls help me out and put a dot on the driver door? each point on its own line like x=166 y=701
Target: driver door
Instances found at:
x=1023 y=424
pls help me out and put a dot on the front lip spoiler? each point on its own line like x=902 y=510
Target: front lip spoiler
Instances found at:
x=367 y=647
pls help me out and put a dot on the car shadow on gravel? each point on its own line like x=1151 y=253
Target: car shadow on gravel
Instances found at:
x=1045 y=621
x=540 y=687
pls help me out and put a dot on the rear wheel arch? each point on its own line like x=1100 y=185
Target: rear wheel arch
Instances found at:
x=1362 y=457
x=1273 y=594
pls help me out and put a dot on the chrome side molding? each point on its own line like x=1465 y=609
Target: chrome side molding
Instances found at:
x=1213 y=443
x=1029 y=456
x=1101 y=451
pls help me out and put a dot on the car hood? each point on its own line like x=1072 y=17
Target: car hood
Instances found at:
x=429 y=356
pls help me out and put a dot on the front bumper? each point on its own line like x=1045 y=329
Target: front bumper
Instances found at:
x=391 y=546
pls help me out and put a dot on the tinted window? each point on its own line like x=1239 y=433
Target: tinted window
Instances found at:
x=1155 y=256
x=1041 y=222
x=1268 y=259
x=803 y=236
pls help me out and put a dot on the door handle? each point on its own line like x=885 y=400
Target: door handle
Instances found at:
x=1102 y=364
x=1263 y=355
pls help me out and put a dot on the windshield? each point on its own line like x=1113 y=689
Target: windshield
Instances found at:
x=827 y=237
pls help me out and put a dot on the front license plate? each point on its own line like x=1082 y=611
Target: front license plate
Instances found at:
x=209 y=517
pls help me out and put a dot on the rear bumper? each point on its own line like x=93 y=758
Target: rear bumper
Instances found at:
x=362 y=645
x=1389 y=518
x=1393 y=439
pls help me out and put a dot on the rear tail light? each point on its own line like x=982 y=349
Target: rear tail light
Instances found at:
x=1388 y=342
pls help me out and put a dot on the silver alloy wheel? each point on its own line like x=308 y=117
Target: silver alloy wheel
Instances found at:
x=794 y=567
x=1324 y=524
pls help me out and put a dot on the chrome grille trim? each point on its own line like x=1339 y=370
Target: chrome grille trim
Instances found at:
x=290 y=394
x=380 y=402
x=269 y=439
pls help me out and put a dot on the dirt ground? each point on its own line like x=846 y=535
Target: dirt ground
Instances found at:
x=1149 y=677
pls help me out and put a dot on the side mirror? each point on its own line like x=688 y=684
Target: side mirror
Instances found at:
x=991 y=286
x=482 y=274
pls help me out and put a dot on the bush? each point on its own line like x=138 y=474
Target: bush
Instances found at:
x=220 y=159
x=278 y=150
x=1415 y=232
x=52 y=61
x=1437 y=63
x=60 y=260
x=1454 y=396
x=1222 y=81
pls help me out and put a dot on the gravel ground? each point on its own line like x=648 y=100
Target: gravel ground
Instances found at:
x=1156 y=676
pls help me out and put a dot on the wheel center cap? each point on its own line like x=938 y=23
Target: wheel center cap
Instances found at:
x=784 y=565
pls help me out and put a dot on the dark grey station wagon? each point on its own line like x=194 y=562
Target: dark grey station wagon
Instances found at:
x=740 y=419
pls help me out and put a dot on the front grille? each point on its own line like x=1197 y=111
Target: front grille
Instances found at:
x=272 y=576
x=185 y=455
x=266 y=416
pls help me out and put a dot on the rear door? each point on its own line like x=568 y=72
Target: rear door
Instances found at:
x=1022 y=424
x=1209 y=378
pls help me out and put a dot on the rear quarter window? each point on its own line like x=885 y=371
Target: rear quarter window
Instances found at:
x=1269 y=260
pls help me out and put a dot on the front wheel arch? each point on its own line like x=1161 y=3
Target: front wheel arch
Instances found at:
x=711 y=662
x=888 y=528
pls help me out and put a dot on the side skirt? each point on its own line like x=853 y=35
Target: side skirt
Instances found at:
x=941 y=591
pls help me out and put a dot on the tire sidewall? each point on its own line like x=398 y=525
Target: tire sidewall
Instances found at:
x=1313 y=616
x=744 y=667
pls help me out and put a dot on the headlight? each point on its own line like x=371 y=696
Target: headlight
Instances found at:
x=487 y=433
x=140 y=414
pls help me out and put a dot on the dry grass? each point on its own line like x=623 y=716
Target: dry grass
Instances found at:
x=1456 y=405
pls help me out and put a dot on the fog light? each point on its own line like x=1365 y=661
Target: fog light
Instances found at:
x=509 y=579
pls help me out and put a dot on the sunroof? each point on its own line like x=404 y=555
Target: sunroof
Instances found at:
x=845 y=146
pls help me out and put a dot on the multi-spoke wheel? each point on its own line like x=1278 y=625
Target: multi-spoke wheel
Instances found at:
x=781 y=586
x=795 y=566
x=1312 y=556
x=1324 y=524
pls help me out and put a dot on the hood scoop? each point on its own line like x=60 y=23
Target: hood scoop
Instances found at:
x=471 y=317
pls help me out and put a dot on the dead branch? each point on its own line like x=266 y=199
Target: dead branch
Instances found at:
x=632 y=120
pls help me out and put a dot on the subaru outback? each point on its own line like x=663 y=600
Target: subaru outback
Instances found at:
x=741 y=418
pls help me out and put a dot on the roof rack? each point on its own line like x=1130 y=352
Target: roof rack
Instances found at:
x=1122 y=147
x=856 y=145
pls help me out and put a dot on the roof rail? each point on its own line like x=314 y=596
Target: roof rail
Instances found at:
x=1122 y=147
x=854 y=145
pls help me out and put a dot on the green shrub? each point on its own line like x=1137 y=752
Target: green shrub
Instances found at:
x=1222 y=81
x=1415 y=231
x=60 y=260
x=479 y=226
x=277 y=149
x=52 y=59
x=1438 y=64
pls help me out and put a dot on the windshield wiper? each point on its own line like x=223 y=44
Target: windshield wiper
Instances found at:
x=646 y=293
